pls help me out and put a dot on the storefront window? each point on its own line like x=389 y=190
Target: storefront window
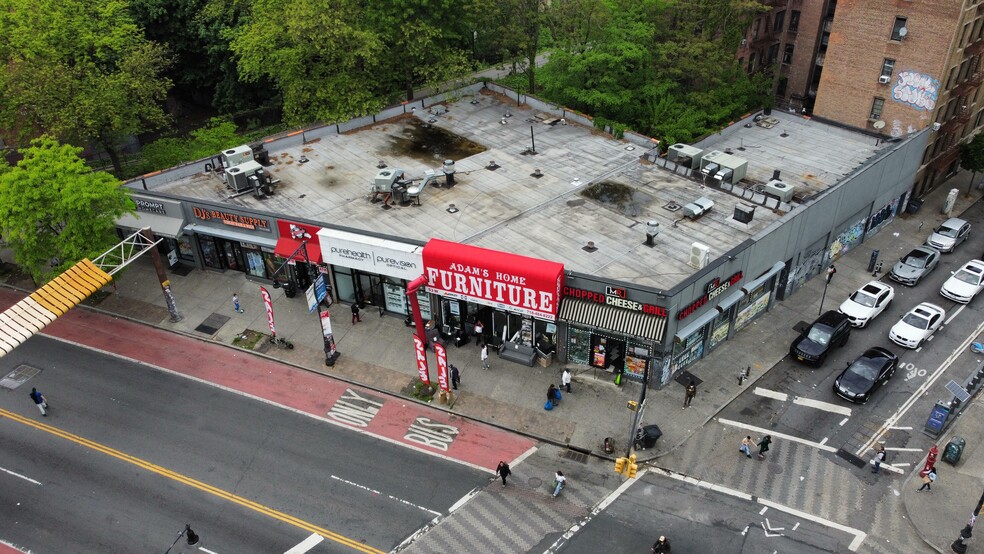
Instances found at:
x=545 y=336
x=637 y=357
x=254 y=263
x=578 y=345
x=346 y=287
x=752 y=305
x=719 y=329
x=185 y=249
x=210 y=254
x=395 y=297
x=689 y=350
x=423 y=298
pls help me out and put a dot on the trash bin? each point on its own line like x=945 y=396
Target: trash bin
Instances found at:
x=647 y=437
x=914 y=205
x=953 y=450
x=290 y=289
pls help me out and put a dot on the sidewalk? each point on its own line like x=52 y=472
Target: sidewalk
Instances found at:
x=377 y=353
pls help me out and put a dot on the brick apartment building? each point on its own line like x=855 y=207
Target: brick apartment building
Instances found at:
x=889 y=67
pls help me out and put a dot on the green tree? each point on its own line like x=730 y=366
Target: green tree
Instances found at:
x=322 y=56
x=80 y=70
x=54 y=210
x=218 y=135
x=972 y=158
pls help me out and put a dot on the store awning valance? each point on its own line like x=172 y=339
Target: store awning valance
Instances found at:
x=752 y=285
x=161 y=225
x=610 y=318
x=730 y=300
x=237 y=236
x=287 y=246
x=696 y=324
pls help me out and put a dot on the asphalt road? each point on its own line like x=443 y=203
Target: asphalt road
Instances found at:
x=129 y=454
x=699 y=520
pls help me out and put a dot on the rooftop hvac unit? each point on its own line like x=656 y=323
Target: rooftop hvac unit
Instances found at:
x=698 y=207
x=236 y=156
x=744 y=213
x=685 y=155
x=782 y=190
x=238 y=176
x=700 y=254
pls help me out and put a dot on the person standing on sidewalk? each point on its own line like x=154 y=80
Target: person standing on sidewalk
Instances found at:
x=764 y=446
x=455 y=377
x=485 y=356
x=691 y=393
x=879 y=458
x=40 y=401
x=235 y=303
x=565 y=379
x=502 y=470
x=662 y=546
x=928 y=479
x=355 y=313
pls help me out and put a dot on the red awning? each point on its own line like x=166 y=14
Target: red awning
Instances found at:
x=517 y=283
x=287 y=246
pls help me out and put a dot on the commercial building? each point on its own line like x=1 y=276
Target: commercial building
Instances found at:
x=558 y=242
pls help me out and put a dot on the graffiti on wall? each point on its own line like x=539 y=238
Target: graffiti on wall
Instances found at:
x=917 y=90
x=883 y=216
x=812 y=261
x=847 y=240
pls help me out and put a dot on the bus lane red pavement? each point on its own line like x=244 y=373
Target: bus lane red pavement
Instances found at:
x=360 y=409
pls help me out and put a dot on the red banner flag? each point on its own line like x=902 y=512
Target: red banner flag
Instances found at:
x=418 y=345
x=442 y=365
x=269 y=309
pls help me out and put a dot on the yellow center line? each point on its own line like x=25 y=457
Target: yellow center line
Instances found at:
x=205 y=487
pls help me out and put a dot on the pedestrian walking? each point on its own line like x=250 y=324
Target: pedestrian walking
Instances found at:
x=746 y=446
x=552 y=393
x=928 y=479
x=662 y=546
x=485 y=356
x=565 y=379
x=355 y=313
x=879 y=458
x=455 y=377
x=40 y=401
x=235 y=304
x=559 y=482
x=503 y=471
x=764 y=446
x=691 y=393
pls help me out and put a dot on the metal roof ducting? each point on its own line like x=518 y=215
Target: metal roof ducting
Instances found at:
x=738 y=167
x=698 y=207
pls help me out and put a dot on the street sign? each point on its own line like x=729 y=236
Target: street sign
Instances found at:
x=320 y=287
x=312 y=303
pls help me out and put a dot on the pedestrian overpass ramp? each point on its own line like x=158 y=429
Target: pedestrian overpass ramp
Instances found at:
x=27 y=317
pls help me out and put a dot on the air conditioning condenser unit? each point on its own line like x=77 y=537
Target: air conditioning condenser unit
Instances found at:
x=700 y=255
x=884 y=79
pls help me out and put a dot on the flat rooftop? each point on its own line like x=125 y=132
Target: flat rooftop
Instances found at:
x=592 y=187
x=811 y=156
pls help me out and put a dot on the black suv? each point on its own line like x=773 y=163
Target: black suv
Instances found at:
x=829 y=330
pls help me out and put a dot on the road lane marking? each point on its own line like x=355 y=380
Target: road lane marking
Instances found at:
x=955 y=312
x=824 y=441
x=307 y=544
x=378 y=493
x=194 y=483
x=821 y=405
x=900 y=449
x=911 y=401
x=763 y=431
x=900 y=428
x=18 y=475
x=781 y=396
x=843 y=421
x=859 y=535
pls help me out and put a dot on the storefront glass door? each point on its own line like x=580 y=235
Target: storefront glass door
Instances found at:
x=210 y=252
x=232 y=256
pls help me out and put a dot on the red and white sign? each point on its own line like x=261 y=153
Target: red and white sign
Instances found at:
x=518 y=284
x=292 y=235
x=442 y=365
x=269 y=309
x=326 y=329
x=418 y=346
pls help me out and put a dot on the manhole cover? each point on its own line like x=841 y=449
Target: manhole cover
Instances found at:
x=18 y=376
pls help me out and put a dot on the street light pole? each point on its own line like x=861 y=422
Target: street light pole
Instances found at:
x=830 y=275
x=331 y=354
x=958 y=545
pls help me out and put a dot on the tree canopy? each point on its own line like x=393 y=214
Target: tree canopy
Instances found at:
x=80 y=70
x=972 y=158
x=55 y=211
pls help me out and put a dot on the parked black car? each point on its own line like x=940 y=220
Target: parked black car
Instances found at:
x=829 y=330
x=866 y=374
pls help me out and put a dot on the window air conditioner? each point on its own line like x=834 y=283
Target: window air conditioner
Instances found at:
x=884 y=79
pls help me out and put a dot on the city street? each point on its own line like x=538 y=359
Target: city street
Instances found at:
x=128 y=455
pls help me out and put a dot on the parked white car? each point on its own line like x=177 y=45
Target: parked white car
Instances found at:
x=867 y=302
x=965 y=283
x=949 y=235
x=917 y=325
